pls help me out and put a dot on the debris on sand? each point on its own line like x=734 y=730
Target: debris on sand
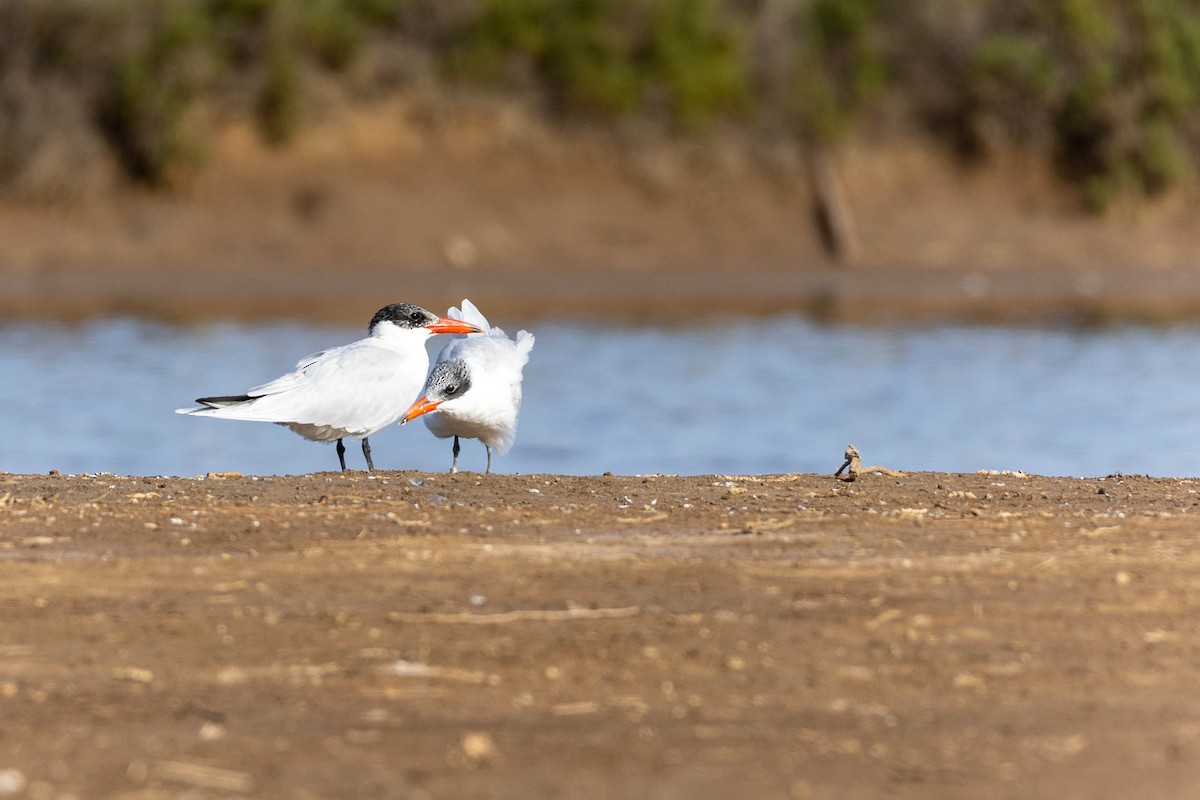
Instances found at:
x=853 y=467
x=853 y=461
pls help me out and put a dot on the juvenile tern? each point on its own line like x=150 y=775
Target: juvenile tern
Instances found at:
x=475 y=387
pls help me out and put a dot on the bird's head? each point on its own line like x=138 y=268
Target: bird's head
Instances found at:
x=449 y=381
x=406 y=316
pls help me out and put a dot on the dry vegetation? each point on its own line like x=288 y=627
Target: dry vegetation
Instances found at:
x=96 y=92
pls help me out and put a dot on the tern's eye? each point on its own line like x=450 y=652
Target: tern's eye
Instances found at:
x=451 y=389
x=416 y=317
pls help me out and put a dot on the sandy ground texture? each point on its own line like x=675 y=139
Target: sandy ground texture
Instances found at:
x=404 y=635
x=429 y=201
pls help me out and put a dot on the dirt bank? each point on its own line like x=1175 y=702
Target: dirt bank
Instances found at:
x=416 y=636
x=430 y=201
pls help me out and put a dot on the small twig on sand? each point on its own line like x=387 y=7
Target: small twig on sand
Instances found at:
x=204 y=776
x=520 y=615
x=853 y=461
x=853 y=467
x=893 y=473
x=641 y=520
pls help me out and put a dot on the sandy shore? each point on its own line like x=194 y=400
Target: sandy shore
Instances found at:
x=416 y=636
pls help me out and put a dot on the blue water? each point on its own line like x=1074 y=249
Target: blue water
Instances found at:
x=734 y=396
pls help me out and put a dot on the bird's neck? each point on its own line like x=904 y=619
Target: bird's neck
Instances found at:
x=400 y=338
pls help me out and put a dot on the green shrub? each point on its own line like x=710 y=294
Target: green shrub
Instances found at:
x=610 y=58
x=149 y=91
x=332 y=31
x=1162 y=159
x=571 y=49
x=1106 y=90
x=838 y=68
x=696 y=57
x=279 y=106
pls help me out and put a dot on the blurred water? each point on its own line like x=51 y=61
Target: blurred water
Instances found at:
x=733 y=396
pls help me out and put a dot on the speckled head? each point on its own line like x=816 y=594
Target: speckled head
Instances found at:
x=449 y=379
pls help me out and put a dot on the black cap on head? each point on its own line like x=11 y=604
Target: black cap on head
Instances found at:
x=403 y=315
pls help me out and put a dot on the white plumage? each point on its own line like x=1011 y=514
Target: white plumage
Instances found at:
x=350 y=391
x=475 y=386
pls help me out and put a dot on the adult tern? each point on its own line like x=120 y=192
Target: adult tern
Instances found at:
x=350 y=391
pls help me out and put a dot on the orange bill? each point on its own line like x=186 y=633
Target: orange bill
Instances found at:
x=422 y=406
x=447 y=325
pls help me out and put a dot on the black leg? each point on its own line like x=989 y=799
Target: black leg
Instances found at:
x=341 y=450
x=455 y=450
x=367 y=454
x=489 y=468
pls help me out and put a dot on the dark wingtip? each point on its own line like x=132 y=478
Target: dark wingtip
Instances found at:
x=226 y=400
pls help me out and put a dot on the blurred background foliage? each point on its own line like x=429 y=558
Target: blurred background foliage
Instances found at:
x=1106 y=91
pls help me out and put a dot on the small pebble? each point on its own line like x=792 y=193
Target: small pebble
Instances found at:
x=12 y=781
x=479 y=748
x=211 y=732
